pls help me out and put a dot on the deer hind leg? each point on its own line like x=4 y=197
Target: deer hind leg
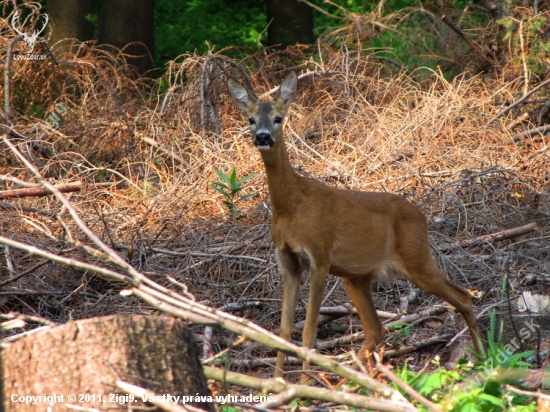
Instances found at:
x=432 y=280
x=291 y=269
x=359 y=290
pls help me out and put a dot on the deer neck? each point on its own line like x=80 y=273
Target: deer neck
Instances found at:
x=282 y=181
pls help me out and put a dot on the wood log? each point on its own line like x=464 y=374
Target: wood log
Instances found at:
x=86 y=358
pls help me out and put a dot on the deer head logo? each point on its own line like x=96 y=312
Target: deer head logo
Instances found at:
x=30 y=39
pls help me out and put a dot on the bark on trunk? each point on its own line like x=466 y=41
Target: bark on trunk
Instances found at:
x=129 y=24
x=290 y=22
x=68 y=18
x=86 y=358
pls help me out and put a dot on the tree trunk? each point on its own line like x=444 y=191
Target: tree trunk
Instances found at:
x=88 y=357
x=290 y=22
x=122 y=22
x=68 y=18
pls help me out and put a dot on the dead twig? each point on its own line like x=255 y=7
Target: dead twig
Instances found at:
x=7 y=77
x=394 y=353
x=279 y=385
x=25 y=273
x=472 y=45
x=7 y=206
x=37 y=192
x=493 y=237
x=407 y=388
x=532 y=132
x=528 y=393
x=517 y=121
x=518 y=102
x=169 y=152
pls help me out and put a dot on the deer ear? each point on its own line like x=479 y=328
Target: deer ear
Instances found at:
x=242 y=97
x=287 y=91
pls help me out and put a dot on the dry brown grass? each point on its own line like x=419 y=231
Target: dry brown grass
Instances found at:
x=358 y=124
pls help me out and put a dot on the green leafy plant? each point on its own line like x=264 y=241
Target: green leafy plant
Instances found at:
x=230 y=187
x=454 y=390
x=404 y=330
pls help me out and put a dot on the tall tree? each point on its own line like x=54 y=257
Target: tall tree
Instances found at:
x=129 y=22
x=290 y=22
x=68 y=18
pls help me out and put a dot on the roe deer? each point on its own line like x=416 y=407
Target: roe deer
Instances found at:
x=359 y=236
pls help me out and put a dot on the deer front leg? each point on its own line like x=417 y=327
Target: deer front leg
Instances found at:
x=317 y=279
x=290 y=268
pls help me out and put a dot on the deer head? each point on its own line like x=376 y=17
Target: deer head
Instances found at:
x=266 y=118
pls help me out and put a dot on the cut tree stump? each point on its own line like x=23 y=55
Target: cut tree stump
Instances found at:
x=86 y=358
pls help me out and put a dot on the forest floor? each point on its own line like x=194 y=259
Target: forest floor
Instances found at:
x=147 y=159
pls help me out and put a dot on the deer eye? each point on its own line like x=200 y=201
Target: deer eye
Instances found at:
x=252 y=120
x=278 y=120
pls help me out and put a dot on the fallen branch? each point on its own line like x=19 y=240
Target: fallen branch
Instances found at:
x=472 y=45
x=404 y=319
x=195 y=254
x=347 y=309
x=7 y=77
x=181 y=307
x=7 y=206
x=518 y=102
x=40 y=191
x=328 y=314
x=395 y=353
x=25 y=273
x=528 y=393
x=493 y=237
x=279 y=385
x=517 y=121
x=531 y=132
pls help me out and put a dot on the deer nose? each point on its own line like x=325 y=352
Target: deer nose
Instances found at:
x=263 y=139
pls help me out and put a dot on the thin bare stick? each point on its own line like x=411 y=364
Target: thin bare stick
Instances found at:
x=169 y=152
x=407 y=388
x=493 y=237
x=196 y=254
x=279 y=385
x=472 y=45
x=7 y=77
x=532 y=132
x=517 y=121
x=40 y=191
x=7 y=206
x=25 y=273
x=478 y=316
x=519 y=101
x=528 y=393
